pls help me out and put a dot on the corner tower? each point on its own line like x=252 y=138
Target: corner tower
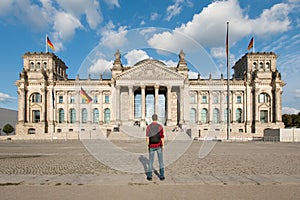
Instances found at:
x=263 y=83
x=40 y=71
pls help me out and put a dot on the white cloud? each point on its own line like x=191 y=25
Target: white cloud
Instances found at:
x=5 y=6
x=218 y=52
x=170 y=63
x=288 y=110
x=63 y=16
x=142 y=22
x=273 y=20
x=89 y=8
x=192 y=75
x=154 y=16
x=297 y=93
x=65 y=25
x=100 y=66
x=134 y=56
x=208 y=27
x=5 y=98
x=112 y=3
x=111 y=38
x=174 y=9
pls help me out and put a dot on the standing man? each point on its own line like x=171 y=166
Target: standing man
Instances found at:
x=155 y=142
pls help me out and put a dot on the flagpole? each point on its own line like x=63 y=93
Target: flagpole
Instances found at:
x=253 y=49
x=228 y=74
x=46 y=43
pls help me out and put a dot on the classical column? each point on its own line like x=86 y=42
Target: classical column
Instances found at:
x=78 y=110
x=169 y=98
x=143 y=96
x=131 y=102
x=181 y=89
x=156 y=87
x=101 y=111
x=198 y=107
x=210 y=111
x=255 y=104
x=118 y=99
x=44 y=105
x=222 y=116
x=278 y=105
x=248 y=108
x=233 y=111
x=21 y=104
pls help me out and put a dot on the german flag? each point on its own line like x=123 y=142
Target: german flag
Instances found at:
x=49 y=43
x=85 y=96
x=250 y=45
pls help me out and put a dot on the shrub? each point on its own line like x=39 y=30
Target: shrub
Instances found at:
x=8 y=129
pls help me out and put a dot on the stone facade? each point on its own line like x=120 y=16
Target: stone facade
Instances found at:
x=49 y=102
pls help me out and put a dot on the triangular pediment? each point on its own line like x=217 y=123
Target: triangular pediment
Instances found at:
x=150 y=70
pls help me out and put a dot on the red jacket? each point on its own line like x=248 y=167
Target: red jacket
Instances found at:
x=161 y=133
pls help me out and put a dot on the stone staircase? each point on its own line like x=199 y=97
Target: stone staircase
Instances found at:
x=139 y=133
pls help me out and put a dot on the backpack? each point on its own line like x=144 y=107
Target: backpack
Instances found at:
x=154 y=134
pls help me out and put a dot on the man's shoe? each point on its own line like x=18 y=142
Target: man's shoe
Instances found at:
x=162 y=178
x=149 y=178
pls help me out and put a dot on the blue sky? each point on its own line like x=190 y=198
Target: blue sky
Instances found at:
x=86 y=33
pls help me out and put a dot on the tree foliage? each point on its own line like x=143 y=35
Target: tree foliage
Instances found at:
x=7 y=128
x=291 y=120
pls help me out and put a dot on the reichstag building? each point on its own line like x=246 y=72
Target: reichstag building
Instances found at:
x=49 y=102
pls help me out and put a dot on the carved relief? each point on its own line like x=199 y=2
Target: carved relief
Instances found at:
x=150 y=71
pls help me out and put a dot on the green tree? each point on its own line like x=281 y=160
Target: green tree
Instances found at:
x=7 y=128
x=287 y=120
x=291 y=120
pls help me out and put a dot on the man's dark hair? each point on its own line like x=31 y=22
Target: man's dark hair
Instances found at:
x=154 y=117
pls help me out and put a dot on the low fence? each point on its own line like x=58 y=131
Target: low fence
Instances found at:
x=282 y=135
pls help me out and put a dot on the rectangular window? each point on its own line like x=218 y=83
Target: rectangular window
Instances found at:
x=72 y=99
x=106 y=99
x=83 y=100
x=204 y=99
x=95 y=99
x=225 y=99
x=36 y=116
x=215 y=99
x=239 y=99
x=264 y=116
x=60 y=99
x=193 y=99
x=137 y=106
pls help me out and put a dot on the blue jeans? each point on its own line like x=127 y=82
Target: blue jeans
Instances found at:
x=160 y=161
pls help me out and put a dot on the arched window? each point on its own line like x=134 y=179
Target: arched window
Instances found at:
x=238 y=115
x=193 y=115
x=32 y=65
x=254 y=65
x=261 y=65
x=72 y=115
x=204 y=116
x=216 y=116
x=84 y=115
x=263 y=98
x=38 y=65
x=45 y=65
x=268 y=66
x=95 y=116
x=61 y=115
x=107 y=116
x=36 y=98
x=225 y=115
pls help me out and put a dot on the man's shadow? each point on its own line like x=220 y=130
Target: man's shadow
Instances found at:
x=145 y=163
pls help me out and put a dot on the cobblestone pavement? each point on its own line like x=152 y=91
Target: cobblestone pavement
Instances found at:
x=68 y=162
